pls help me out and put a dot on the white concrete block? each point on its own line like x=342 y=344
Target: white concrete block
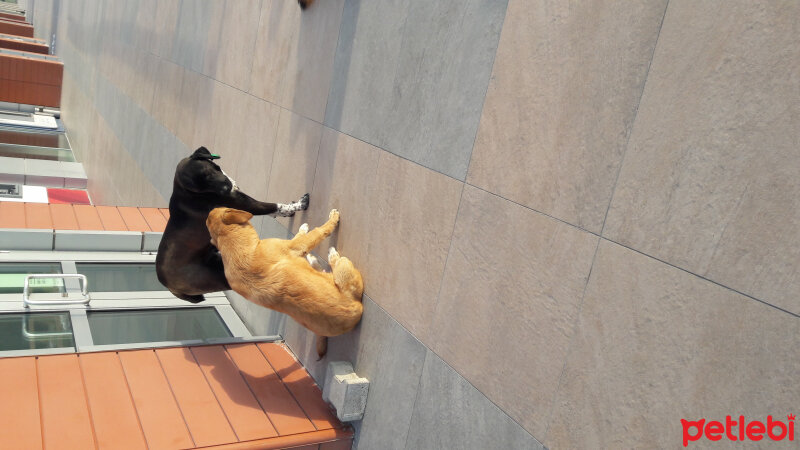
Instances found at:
x=150 y=241
x=11 y=178
x=346 y=391
x=12 y=166
x=26 y=239
x=102 y=241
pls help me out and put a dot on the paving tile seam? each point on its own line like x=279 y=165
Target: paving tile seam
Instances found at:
x=578 y=227
x=419 y=379
x=255 y=43
x=316 y=163
x=274 y=150
x=424 y=363
x=461 y=179
x=485 y=93
x=460 y=375
x=393 y=153
x=446 y=259
x=333 y=68
x=432 y=351
x=633 y=122
x=704 y=278
x=571 y=344
x=607 y=239
x=99 y=73
x=576 y=323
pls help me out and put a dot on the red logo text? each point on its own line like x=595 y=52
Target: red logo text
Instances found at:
x=738 y=430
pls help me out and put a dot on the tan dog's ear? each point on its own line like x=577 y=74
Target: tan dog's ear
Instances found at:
x=235 y=216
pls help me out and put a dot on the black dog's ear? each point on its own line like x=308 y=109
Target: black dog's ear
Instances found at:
x=203 y=153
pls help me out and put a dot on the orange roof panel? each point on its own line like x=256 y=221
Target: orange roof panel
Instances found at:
x=12 y=215
x=116 y=423
x=60 y=216
x=87 y=216
x=299 y=382
x=109 y=216
x=19 y=410
x=159 y=415
x=133 y=218
x=154 y=218
x=276 y=400
x=234 y=395
x=63 y=217
x=201 y=411
x=64 y=411
x=37 y=215
x=218 y=396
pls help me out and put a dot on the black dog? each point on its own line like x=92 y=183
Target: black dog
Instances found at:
x=187 y=264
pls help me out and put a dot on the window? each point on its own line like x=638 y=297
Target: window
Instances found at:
x=35 y=331
x=32 y=152
x=34 y=144
x=128 y=307
x=120 y=277
x=126 y=327
x=12 y=278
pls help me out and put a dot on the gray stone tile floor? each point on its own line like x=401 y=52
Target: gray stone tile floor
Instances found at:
x=577 y=221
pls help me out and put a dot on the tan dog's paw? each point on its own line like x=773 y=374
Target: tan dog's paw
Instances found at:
x=334 y=215
x=303 y=229
x=333 y=256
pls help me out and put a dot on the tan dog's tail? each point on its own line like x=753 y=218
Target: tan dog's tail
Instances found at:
x=322 y=346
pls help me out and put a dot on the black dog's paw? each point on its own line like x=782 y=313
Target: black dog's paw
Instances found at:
x=304 y=3
x=303 y=202
x=291 y=208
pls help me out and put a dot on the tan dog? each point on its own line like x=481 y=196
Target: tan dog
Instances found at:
x=276 y=273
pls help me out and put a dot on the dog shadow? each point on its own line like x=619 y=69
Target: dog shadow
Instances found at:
x=282 y=392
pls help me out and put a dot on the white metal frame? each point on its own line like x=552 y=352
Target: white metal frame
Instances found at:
x=111 y=301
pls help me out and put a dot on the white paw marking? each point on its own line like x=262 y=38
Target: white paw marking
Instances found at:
x=303 y=229
x=285 y=210
x=332 y=252
x=314 y=262
x=234 y=186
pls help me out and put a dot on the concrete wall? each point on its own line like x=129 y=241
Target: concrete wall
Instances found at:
x=578 y=222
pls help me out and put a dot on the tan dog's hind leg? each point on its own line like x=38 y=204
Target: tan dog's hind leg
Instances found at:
x=345 y=275
x=304 y=243
x=312 y=260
